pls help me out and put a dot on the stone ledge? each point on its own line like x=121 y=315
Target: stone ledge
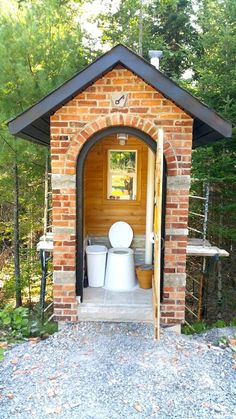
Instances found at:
x=176 y=280
x=63 y=181
x=178 y=182
x=64 y=277
x=176 y=232
x=63 y=230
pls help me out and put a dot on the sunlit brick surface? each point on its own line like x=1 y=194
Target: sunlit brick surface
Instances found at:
x=71 y=126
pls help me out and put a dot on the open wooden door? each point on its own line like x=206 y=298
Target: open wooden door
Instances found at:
x=157 y=234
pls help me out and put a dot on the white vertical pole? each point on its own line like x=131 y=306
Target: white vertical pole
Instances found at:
x=149 y=206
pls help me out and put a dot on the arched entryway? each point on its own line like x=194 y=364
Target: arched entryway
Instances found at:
x=100 y=135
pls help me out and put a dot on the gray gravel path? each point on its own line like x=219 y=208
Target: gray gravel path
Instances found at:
x=117 y=370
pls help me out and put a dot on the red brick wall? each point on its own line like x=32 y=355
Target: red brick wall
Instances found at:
x=71 y=126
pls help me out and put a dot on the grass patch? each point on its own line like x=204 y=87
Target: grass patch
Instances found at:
x=202 y=326
x=2 y=354
x=233 y=322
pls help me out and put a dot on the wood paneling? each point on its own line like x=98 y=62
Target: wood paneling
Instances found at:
x=99 y=212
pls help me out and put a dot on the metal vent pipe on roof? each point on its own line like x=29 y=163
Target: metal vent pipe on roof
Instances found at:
x=155 y=56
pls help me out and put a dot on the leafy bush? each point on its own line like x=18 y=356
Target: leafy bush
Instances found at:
x=21 y=323
x=15 y=321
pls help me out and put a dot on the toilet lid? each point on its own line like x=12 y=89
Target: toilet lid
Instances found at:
x=120 y=234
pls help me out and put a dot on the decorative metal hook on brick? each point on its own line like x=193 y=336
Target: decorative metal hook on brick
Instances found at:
x=117 y=101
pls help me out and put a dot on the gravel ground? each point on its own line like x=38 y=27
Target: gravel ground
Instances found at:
x=117 y=370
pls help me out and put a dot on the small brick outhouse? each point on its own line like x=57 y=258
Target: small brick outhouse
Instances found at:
x=118 y=93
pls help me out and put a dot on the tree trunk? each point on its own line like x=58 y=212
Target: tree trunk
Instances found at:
x=16 y=245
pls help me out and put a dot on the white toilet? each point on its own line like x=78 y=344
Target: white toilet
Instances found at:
x=120 y=274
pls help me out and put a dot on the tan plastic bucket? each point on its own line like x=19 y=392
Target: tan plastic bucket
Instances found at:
x=144 y=275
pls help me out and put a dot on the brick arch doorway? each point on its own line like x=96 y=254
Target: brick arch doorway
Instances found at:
x=80 y=196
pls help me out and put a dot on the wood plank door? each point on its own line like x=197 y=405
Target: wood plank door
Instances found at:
x=157 y=233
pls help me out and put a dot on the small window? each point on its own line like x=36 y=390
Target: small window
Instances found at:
x=122 y=175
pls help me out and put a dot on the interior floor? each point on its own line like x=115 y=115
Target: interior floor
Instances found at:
x=100 y=304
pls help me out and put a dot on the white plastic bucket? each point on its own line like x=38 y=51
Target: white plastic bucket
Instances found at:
x=96 y=264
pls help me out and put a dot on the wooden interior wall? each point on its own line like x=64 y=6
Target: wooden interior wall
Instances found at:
x=99 y=212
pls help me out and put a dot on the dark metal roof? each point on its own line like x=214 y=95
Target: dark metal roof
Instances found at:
x=34 y=123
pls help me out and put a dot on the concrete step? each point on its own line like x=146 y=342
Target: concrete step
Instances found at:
x=116 y=313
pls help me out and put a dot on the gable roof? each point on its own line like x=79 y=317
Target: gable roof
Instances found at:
x=34 y=123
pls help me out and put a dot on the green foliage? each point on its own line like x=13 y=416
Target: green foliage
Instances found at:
x=202 y=326
x=222 y=204
x=233 y=322
x=20 y=323
x=49 y=328
x=122 y=24
x=41 y=46
x=30 y=278
x=197 y=327
x=1 y=354
x=223 y=340
x=167 y=26
x=172 y=22
x=31 y=172
x=215 y=84
x=215 y=66
x=16 y=321
x=219 y=324
x=122 y=160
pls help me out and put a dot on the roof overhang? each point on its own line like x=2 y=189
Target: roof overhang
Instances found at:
x=34 y=123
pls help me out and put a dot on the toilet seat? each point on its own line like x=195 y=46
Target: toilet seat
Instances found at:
x=121 y=251
x=120 y=235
